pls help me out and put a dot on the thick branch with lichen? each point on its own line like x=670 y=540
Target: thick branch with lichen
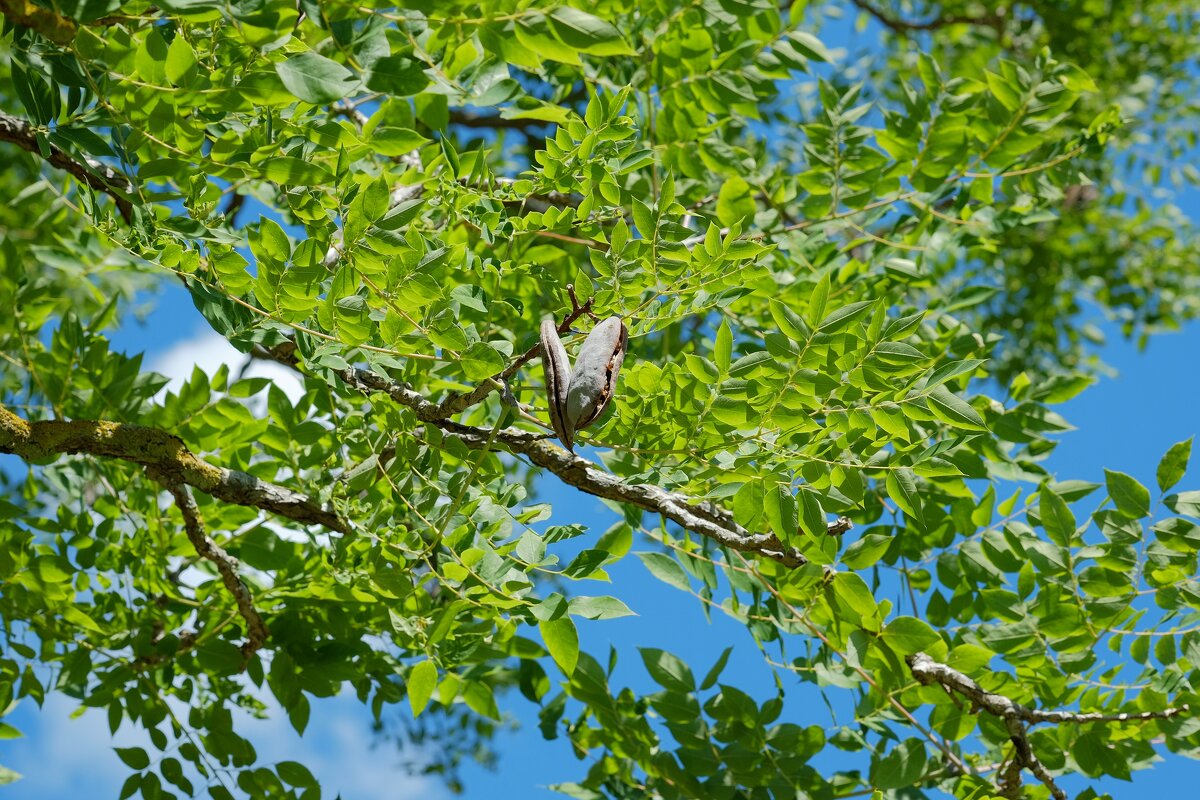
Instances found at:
x=1017 y=718
x=166 y=459
x=47 y=22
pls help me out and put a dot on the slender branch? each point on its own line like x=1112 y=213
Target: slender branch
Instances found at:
x=469 y=119
x=1017 y=718
x=702 y=517
x=992 y=19
x=227 y=566
x=539 y=201
x=456 y=403
x=928 y=671
x=95 y=174
x=167 y=460
x=234 y=207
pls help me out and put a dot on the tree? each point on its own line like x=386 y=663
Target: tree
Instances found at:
x=854 y=290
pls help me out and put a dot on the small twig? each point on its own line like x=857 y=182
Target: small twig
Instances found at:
x=237 y=201
x=227 y=566
x=456 y=403
x=95 y=174
x=470 y=119
x=1017 y=718
x=993 y=19
x=702 y=517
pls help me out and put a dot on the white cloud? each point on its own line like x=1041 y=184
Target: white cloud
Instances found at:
x=59 y=756
x=64 y=757
x=209 y=350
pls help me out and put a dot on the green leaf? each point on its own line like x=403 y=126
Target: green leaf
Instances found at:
x=781 y=513
x=289 y=171
x=480 y=698
x=953 y=410
x=531 y=548
x=735 y=202
x=667 y=670
x=1057 y=518
x=535 y=32
x=901 y=767
x=812 y=516
x=397 y=75
x=1090 y=753
x=1174 y=464
x=910 y=635
x=789 y=322
x=599 y=608
x=481 y=361
x=866 y=551
x=710 y=679
x=723 y=353
x=1132 y=499
x=902 y=488
x=76 y=616
x=295 y=774
x=748 y=504
x=666 y=569
x=808 y=45
x=587 y=33
x=841 y=318
x=395 y=141
x=562 y=640
x=1184 y=503
x=316 y=79
x=852 y=590
x=818 y=300
x=181 y=61
x=551 y=608
x=400 y=215
x=422 y=679
x=133 y=757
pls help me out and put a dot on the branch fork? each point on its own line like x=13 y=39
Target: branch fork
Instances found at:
x=1017 y=718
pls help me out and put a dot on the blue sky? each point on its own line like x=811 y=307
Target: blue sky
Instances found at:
x=1124 y=423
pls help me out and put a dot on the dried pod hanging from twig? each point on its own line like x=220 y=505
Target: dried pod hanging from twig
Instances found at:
x=578 y=396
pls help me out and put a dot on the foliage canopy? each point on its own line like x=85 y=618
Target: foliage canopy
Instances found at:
x=856 y=281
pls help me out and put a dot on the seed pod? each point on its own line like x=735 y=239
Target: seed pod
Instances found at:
x=557 y=370
x=578 y=396
x=594 y=378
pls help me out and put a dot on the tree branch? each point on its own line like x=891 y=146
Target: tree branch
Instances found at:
x=227 y=566
x=95 y=174
x=165 y=458
x=457 y=403
x=53 y=26
x=700 y=517
x=1017 y=718
x=469 y=119
x=992 y=19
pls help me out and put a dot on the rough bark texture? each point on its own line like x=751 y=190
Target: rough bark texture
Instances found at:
x=165 y=458
x=99 y=176
x=1017 y=718
x=702 y=517
x=227 y=567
